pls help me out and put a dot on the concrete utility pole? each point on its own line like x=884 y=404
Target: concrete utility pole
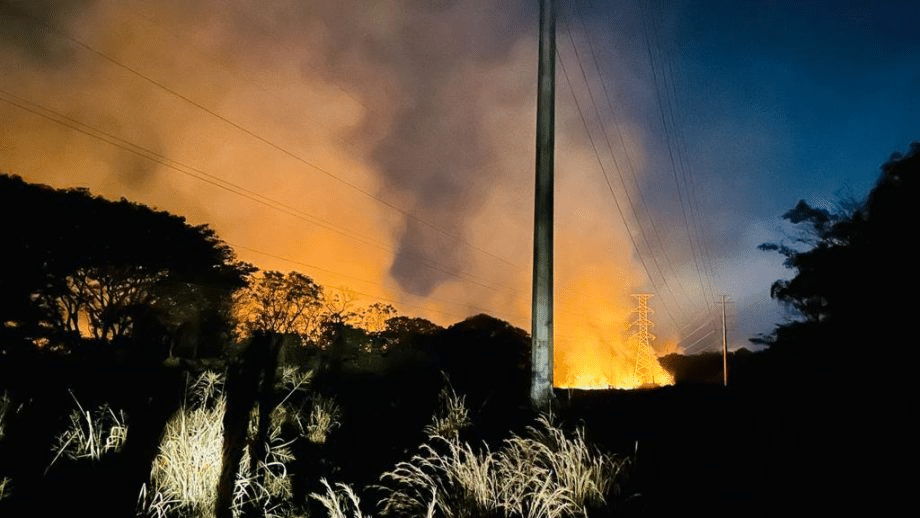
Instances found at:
x=541 y=351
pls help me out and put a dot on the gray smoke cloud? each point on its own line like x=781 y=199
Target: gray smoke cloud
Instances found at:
x=427 y=105
x=417 y=67
x=425 y=130
x=19 y=29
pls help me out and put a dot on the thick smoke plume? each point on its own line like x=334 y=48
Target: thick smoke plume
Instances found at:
x=393 y=138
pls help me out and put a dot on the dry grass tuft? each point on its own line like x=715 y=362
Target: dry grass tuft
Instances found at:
x=447 y=476
x=207 y=388
x=6 y=405
x=546 y=474
x=294 y=380
x=343 y=503
x=452 y=417
x=185 y=473
x=324 y=418
x=549 y=474
x=90 y=435
x=5 y=485
x=186 y=470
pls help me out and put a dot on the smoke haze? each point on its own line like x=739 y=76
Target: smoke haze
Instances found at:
x=393 y=140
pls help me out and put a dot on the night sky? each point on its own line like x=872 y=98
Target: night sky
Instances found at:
x=388 y=146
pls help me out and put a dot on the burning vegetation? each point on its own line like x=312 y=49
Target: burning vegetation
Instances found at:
x=626 y=360
x=600 y=364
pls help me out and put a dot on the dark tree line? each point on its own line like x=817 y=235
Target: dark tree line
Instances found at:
x=79 y=266
x=845 y=364
x=855 y=272
x=93 y=276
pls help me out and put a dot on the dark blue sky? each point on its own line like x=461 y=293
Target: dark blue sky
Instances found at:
x=834 y=84
x=775 y=100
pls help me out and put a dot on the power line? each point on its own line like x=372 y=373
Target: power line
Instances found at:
x=702 y=244
x=610 y=187
x=618 y=170
x=671 y=152
x=610 y=106
x=666 y=106
x=686 y=171
x=211 y=179
x=681 y=156
x=237 y=126
x=688 y=348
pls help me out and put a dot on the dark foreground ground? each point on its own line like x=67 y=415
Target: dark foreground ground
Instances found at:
x=751 y=449
x=797 y=450
x=699 y=449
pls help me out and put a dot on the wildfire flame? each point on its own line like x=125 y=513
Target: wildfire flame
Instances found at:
x=603 y=365
x=593 y=348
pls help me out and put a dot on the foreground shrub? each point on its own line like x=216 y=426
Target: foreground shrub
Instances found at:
x=185 y=473
x=546 y=474
x=452 y=416
x=90 y=435
x=6 y=406
x=341 y=502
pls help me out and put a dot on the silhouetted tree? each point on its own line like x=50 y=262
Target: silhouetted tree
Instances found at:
x=845 y=363
x=339 y=306
x=853 y=268
x=409 y=325
x=82 y=266
x=374 y=318
x=280 y=303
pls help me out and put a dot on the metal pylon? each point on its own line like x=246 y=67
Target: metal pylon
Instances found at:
x=645 y=359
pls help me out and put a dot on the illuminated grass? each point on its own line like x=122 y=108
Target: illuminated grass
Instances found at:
x=446 y=477
x=6 y=407
x=343 y=503
x=185 y=472
x=324 y=417
x=294 y=380
x=206 y=388
x=5 y=487
x=547 y=475
x=90 y=435
x=452 y=416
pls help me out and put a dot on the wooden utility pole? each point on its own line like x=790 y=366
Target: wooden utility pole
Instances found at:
x=541 y=383
x=724 y=343
x=724 y=347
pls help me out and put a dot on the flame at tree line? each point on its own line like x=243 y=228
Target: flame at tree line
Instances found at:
x=471 y=186
x=600 y=355
x=598 y=364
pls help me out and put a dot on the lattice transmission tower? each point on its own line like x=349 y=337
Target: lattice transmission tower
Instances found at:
x=645 y=355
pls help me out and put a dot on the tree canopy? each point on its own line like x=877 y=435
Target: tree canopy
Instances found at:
x=275 y=302
x=853 y=266
x=80 y=265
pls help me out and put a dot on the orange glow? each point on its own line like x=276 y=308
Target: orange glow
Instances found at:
x=603 y=365
x=592 y=345
x=339 y=213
